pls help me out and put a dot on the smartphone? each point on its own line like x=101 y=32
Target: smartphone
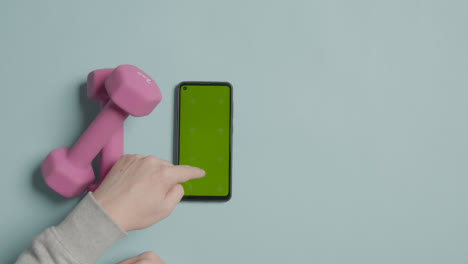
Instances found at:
x=204 y=137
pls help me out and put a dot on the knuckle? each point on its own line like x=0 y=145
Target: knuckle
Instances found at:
x=151 y=160
x=128 y=157
x=125 y=157
x=138 y=156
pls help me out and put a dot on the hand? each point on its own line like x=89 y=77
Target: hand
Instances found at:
x=140 y=191
x=145 y=258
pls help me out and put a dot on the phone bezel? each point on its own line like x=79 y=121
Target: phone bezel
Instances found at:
x=177 y=137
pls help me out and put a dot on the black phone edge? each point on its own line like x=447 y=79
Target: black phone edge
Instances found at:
x=177 y=138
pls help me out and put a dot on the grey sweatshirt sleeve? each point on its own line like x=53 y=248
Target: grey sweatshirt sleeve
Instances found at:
x=85 y=234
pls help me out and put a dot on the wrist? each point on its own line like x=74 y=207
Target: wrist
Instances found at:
x=110 y=211
x=88 y=225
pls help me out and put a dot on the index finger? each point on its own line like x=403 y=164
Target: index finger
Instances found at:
x=183 y=173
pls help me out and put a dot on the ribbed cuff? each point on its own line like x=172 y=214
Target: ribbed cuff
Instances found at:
x=88 y=231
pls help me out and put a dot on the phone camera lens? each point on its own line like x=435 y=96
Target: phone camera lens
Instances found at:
x=185 y=88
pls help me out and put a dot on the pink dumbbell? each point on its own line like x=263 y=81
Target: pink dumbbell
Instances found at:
x=113 y=149
x=68 y=171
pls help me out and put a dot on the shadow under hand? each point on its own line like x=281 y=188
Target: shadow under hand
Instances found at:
x=89 y=110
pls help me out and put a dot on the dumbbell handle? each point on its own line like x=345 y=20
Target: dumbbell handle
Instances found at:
x=109 y=120
x=110 y=153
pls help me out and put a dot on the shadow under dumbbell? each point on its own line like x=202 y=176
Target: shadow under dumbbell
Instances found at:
x=89 y=110
x=40 y=185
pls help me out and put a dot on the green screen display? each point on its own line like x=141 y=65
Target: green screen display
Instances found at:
x=204 y=137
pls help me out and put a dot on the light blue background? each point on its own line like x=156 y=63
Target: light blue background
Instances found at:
x=350 y=141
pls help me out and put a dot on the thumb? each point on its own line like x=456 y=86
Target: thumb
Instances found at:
x=129 y=261
x=174 y=195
